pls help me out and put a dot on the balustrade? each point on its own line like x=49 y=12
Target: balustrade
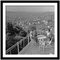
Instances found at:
x=16 y=48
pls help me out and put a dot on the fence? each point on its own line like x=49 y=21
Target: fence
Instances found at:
x=16 y=48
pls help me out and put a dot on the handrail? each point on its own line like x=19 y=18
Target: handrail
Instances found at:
x=16 y=44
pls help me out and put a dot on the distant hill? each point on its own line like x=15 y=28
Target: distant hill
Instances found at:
x=10 y=13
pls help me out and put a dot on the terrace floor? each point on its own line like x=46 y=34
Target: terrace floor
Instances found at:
x=33 y=48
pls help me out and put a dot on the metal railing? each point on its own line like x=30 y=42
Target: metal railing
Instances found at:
x=16 y=48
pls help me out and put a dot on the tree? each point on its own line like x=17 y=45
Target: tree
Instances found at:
x=19 y=30
x=9 y=28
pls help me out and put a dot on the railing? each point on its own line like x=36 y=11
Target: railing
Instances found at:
x=16 y=48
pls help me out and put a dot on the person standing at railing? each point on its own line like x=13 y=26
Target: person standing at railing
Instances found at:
x=33 y=37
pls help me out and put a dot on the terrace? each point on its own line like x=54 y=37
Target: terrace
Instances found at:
x=27 y=45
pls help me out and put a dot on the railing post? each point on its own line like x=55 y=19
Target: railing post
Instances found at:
x=28 y=38
x=10 y=51
x=23 y=43
x=18 y=46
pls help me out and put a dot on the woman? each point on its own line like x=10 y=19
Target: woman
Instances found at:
x=33 y=37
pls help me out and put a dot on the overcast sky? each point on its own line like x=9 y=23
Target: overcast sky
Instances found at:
x=30 y=8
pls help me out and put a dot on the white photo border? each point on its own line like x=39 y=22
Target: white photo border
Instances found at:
x=4 y=35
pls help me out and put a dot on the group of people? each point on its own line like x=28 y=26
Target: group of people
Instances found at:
x=42 y=39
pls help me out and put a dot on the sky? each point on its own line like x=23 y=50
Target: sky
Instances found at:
x=30 y=8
